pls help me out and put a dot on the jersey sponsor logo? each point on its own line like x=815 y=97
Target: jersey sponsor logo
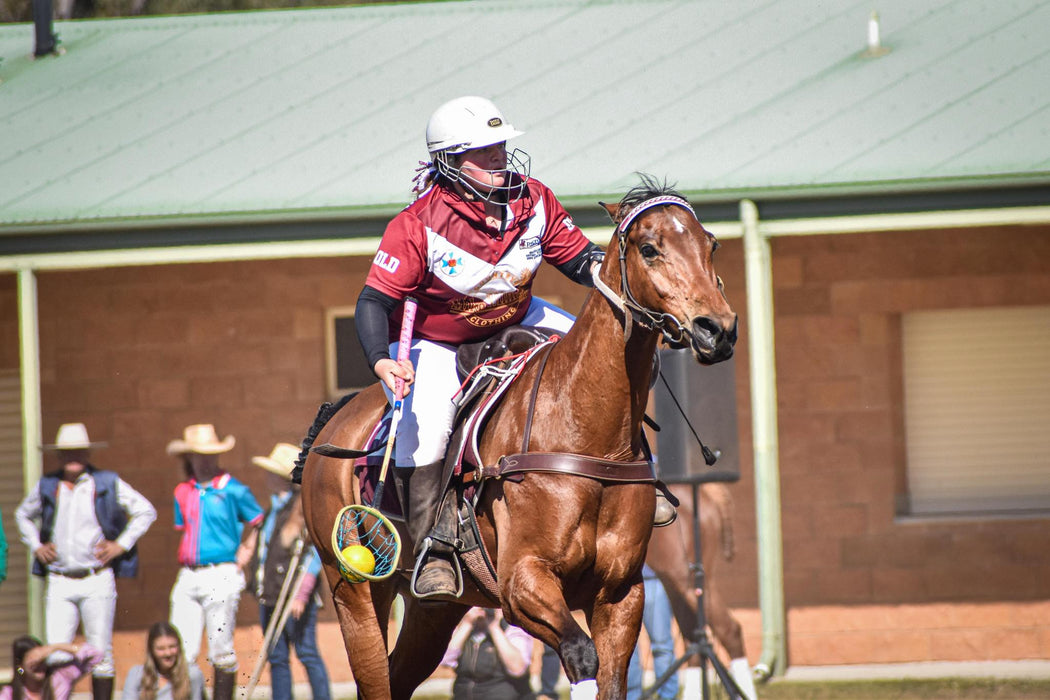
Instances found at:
x=504 y=307
x=386 y=261
x=531 y=242
x=495 y=121
x=450 y=264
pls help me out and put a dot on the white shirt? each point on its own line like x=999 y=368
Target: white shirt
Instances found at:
x=77 y=531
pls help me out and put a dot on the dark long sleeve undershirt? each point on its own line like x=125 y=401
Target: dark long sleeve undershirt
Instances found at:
x=579 y=268
x=372 y=317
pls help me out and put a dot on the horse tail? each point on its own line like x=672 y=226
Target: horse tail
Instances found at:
x=324 y=414
x=723 y=501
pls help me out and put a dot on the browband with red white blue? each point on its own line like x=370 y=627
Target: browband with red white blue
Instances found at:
x=649 y=204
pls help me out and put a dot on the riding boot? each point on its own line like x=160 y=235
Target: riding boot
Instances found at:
x=665 y=512
x=224 y=683
x=101 y=688
x=424 y=490
x=439 y=572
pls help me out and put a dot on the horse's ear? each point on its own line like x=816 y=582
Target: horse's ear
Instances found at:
x=612 y=209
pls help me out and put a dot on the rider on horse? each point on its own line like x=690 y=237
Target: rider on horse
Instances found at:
x=467 y=250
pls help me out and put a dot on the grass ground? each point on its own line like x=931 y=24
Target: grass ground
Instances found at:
x=905 y=689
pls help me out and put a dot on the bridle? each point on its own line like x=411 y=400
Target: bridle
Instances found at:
x=668 y=326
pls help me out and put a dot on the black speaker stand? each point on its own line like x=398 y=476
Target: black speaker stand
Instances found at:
x=700 y=645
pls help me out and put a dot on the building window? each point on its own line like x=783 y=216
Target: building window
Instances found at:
x=977 y=410
x=347 y=369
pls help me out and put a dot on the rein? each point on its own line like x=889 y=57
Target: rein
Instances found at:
x=669 y=327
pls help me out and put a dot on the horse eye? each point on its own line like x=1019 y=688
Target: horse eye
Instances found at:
x=715 y=246
x=648 y=251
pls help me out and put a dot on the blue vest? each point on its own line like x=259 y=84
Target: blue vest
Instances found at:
x=111 y=518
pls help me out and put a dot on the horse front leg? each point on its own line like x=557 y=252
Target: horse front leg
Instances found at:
x=615 y=621
x=533 y=600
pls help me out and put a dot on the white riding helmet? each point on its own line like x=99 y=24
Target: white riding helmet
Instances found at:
x=474 y=122
x=465 y=123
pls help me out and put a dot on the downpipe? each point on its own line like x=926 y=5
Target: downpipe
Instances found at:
x=765 y=442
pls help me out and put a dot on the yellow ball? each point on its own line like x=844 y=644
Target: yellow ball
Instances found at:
x=359 y=558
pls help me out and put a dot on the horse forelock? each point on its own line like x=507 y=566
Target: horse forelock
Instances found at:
x=649 y=188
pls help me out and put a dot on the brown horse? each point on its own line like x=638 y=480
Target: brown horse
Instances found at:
x=671 y=555
x=559 y=542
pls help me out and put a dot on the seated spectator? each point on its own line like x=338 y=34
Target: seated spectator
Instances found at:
x=490 y=656
x=47 y=672
x=166 y=675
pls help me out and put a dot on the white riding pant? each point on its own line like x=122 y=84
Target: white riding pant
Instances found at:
x=207 y=598
x=428 y=410
x=91 y=601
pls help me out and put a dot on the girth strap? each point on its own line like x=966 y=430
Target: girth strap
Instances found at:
x=568 y=463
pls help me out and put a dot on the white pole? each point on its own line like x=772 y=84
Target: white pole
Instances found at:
x=761 y=351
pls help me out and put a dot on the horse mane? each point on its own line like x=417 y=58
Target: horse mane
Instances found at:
x=649 y=187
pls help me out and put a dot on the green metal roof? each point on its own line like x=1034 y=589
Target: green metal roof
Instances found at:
x=284 y=115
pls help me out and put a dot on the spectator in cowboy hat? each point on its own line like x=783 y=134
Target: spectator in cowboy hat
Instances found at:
x=284 y=533
x=211 y=509
x=89 y=521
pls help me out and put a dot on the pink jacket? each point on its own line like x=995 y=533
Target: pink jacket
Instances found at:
x=65 y=677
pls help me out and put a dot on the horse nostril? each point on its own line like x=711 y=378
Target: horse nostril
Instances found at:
x=706 y=327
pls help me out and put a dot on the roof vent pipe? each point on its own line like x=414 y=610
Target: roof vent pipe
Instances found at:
x=875 y=47
x=46 y=41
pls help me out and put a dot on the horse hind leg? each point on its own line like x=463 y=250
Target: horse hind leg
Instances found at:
x=363 y=637
x=425 y=634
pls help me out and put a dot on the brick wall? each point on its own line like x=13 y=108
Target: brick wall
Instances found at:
x=138 y=353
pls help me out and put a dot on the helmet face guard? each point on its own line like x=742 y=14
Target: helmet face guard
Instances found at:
x=517 y=170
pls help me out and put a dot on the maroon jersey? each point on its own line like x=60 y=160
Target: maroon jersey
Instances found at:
x=469 y=279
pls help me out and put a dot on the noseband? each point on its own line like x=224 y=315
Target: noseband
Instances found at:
x=667 y=325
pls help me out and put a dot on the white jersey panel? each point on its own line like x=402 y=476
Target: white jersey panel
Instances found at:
x=471 y=276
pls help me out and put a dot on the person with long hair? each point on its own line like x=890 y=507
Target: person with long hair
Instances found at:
x=467 y=250
x=219 y=519
x=47 y=672
x=166 y=675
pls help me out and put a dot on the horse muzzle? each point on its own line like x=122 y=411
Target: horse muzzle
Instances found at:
x=710 y=340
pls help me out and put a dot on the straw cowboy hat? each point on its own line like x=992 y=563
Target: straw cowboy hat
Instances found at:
x=73 y=436
x=281 y=460
x=200 y=439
